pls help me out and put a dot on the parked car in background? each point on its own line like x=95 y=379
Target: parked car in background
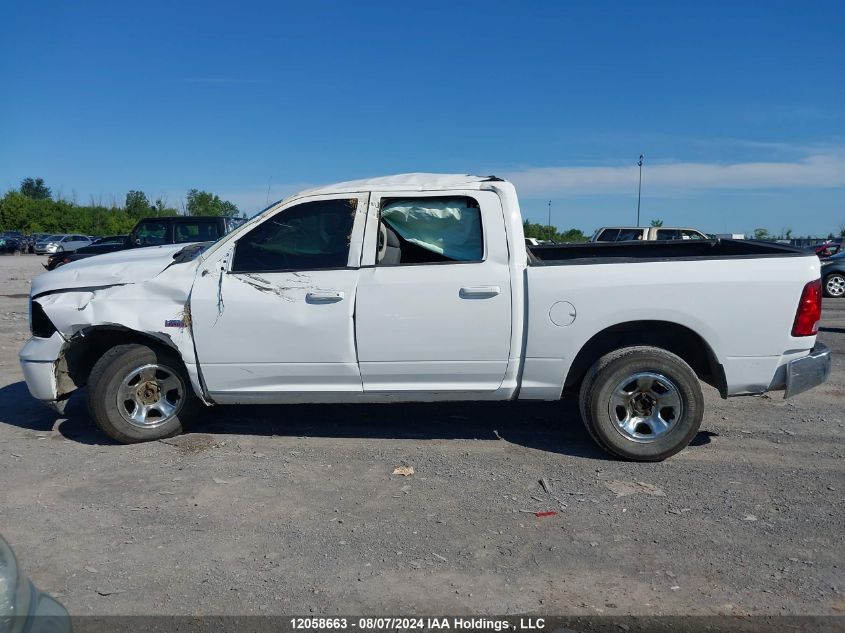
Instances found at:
x=101 y=245
x=420 y=287
x=645 y=234
x=42 y=240
x=179 y=230
x=829 y=249
x=155 y=232
x=62 y=243
x=11 y=245
x=14 y=235
x=833 y=275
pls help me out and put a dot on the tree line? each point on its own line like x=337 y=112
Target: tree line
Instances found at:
x=545 y=232
x=32 y=209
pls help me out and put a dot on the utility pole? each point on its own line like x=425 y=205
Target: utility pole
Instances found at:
x=639 y=189
x=549 y=225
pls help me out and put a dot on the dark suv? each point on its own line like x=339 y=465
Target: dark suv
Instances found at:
x=178 y=229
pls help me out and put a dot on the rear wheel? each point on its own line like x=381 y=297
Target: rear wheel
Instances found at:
x=641 y=403
x=834 y=285
x=137 y=393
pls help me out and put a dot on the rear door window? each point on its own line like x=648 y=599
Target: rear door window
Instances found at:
x=430 y=230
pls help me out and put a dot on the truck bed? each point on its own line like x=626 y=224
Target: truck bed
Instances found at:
x=683 y=250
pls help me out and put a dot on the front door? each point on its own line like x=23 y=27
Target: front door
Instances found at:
x=272 y=314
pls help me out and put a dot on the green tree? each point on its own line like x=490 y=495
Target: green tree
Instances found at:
x=544 y=232
x=35 y=188
x=205 y=203
x=657 y=223
x=761 y=234
x=137 y=205
x=160 y=208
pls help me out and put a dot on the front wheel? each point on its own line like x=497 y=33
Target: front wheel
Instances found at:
x=834 y=285
x=641 y=403
x=137 y=394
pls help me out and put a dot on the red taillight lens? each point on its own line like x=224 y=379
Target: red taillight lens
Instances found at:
x=809 y=310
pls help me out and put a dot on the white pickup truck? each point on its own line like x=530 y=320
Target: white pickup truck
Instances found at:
x=420 y=287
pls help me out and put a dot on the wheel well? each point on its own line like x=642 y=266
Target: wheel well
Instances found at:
x=678 y=339
x=87 y=347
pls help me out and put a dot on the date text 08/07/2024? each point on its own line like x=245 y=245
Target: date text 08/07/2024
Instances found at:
x=417 y=623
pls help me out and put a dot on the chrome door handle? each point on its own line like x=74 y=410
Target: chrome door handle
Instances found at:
x=479 y=292
x=324 y=296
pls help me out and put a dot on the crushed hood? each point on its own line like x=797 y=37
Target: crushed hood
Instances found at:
x=122 y=267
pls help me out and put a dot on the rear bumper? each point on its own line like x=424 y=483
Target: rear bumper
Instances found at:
x=807 y=372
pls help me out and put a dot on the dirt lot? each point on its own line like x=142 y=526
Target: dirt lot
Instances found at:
x=294 y=510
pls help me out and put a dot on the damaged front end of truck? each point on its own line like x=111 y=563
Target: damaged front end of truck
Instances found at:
x=80 y=311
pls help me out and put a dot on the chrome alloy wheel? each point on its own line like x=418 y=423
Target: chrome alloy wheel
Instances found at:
x=835 y=285
x=645 y=406
x=150 y=395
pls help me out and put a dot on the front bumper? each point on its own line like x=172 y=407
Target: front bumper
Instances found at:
x=805 y=373
x=39 y=358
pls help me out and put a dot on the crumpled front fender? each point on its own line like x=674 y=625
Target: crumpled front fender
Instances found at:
x=158 y=308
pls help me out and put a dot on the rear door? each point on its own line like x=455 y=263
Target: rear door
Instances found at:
x=434 y=297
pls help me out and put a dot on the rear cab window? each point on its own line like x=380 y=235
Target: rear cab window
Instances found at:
x=196 y=231
x=149 y=233
x=608 y=235
x=679 y=234
x=628 y=235
x=668 y=234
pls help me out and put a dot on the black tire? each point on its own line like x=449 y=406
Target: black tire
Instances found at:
x=123 y=363
x=834 y=285
x=17 y=251
x=645 y=442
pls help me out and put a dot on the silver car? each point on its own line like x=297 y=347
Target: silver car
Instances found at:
x=62 y=243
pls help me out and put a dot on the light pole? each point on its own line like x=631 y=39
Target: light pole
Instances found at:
x=549 y=225
x=639 y=189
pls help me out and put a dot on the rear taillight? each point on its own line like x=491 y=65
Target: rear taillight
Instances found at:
x=809 y=310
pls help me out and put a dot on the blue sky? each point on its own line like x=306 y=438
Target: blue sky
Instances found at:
x=739 y=107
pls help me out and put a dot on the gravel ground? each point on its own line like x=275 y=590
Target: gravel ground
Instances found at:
x=294 y=510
